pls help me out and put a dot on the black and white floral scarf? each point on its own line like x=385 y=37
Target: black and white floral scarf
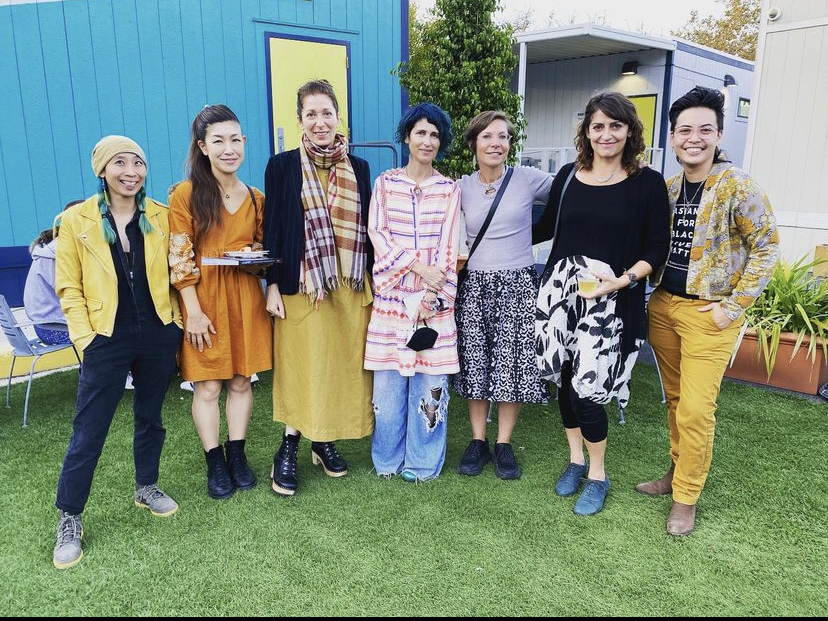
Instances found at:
x=587 y=332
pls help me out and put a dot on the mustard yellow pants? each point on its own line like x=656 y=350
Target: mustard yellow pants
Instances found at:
x=692 y=353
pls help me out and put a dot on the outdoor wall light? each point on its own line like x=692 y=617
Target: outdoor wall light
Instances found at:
x=629 y=68
x=729 y=80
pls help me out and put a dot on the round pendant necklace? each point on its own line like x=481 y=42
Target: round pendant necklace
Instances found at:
x=490 y=189
x=417 y=189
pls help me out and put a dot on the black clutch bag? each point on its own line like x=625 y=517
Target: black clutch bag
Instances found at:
x=423 y=338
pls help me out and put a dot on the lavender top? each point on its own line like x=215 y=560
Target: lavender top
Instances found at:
x=507 y=243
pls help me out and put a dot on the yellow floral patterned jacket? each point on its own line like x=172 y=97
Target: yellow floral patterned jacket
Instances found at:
x=735 y=241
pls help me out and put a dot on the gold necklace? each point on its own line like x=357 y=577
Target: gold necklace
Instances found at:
x=417 y=189
x=226 y=192
x=490 y=189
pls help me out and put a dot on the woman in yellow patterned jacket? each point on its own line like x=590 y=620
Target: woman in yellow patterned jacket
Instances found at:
x=723 y=249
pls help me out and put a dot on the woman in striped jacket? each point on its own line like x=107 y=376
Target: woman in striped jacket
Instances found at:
x=413 y=225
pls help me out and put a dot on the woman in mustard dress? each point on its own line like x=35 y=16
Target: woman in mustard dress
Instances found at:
x=227 y=329
x=320 y=293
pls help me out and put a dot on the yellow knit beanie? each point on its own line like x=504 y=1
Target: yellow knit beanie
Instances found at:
x=110 y=146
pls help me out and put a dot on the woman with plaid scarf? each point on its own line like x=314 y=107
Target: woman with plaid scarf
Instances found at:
x=319 y=293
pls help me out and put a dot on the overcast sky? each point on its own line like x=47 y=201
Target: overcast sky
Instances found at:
x=655 y=17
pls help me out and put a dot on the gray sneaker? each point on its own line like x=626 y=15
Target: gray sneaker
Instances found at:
x=152 y=498
x=68 y=552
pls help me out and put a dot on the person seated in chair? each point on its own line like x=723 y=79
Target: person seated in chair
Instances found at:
x=39 y=298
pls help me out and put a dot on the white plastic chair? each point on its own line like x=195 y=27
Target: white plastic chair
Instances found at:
x=23 y=346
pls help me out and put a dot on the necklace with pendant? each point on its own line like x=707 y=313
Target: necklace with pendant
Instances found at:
x=417 y=189
x=490 y=189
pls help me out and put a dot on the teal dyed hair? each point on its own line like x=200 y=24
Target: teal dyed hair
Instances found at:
x=103 y=205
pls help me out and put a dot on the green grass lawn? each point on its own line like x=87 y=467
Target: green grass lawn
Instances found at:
x=363 y=545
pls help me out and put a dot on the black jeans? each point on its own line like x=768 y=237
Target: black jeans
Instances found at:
x=576 y=412
x=148 y=349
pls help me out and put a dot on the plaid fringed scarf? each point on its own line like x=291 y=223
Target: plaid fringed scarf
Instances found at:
x=333 y=225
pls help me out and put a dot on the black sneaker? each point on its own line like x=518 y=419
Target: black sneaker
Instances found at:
x=476 y=456
x=506 y=466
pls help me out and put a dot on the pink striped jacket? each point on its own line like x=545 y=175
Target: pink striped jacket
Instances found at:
x=405 y=230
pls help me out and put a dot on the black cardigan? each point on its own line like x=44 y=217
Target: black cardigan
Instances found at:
x=646 y=236
x=284 y=217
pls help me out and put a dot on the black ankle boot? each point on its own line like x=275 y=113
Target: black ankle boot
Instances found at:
x=219 y=485
x=325 y=453
x=240 y=473
x=284 y=467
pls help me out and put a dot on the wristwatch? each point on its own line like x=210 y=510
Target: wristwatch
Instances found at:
x=633 y=279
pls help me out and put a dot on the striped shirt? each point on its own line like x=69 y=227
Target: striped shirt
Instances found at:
x=405 y=229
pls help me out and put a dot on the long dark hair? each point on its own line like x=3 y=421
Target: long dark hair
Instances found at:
x=205 y=202
x=616 y=106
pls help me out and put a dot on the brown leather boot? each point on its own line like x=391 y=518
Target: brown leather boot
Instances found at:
x=659 y=487
x=682 y=519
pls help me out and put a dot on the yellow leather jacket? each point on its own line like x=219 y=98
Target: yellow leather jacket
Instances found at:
x=85 y=277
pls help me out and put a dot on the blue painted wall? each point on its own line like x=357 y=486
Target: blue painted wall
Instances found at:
x=72 y=71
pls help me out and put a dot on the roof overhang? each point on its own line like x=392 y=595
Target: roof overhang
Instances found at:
x=584 y=40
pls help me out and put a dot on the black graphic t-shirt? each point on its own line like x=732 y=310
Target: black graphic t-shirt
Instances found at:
x=684 y=223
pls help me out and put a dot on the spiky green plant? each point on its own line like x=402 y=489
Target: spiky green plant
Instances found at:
x=794 y=301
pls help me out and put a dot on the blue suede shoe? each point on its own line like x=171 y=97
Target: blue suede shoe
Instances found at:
x=570 y=479
x=409 y=476
x=591 y=500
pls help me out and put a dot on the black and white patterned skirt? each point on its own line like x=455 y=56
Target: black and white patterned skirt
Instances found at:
x=495 y=313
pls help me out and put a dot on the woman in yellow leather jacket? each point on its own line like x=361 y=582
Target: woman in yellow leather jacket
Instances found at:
x=112 y=278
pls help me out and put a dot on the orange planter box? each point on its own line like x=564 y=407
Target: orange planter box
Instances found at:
x=799 y=374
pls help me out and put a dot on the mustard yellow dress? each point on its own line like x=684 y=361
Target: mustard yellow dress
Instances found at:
x=232 y=298
x=319 y=384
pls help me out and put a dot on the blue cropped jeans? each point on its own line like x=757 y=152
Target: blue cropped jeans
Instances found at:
x=410 y=429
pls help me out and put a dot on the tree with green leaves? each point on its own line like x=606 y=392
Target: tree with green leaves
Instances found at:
x=736 y=32
x=463 y=62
